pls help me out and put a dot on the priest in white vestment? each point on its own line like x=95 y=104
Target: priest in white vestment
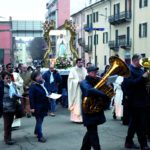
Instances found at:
x=76 y=75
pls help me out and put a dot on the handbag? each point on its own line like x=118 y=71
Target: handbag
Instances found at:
x=19 y=110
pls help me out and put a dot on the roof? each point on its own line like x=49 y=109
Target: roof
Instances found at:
x=88 y=7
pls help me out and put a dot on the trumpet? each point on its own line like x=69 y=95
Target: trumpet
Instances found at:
x=145 y=62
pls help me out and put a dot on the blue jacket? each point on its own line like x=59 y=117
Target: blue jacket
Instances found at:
x=134 y=88
x=38 y=99
x=88 y=90
x=53 y=87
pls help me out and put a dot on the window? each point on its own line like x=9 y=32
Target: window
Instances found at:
x=88 y=20
x=128 y=35
x=95 y=17
x=117 y=9
x=143 y=30
x=96 y=39
x=105 y=60
x=143 y=3
x=90 y=43
x=116 y=37
x=105 y=37
x=97 y=14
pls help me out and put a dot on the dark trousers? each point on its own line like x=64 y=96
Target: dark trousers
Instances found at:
x=38 y=126
x=8 y=120
x=91 y=139
x=126 y=115
x=137 y=125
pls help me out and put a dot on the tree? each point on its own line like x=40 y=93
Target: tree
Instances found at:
x=36 y=48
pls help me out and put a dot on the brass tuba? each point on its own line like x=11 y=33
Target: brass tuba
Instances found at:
x=145 y=62
x=117 y=67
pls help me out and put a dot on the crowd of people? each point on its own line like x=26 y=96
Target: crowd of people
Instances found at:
x=31 y=88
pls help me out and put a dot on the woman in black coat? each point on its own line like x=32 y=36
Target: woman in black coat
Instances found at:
x=39 y=102
x=8 y=101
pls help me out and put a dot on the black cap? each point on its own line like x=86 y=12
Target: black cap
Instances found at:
x=92 y=68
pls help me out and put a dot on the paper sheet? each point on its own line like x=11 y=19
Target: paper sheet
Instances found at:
x=54 y=96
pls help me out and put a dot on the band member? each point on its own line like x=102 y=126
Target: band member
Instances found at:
x=76 y=75
x=39 y=102
x=91 y=121
x=137 y=102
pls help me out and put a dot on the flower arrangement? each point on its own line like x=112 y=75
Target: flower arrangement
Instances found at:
x=63 y=62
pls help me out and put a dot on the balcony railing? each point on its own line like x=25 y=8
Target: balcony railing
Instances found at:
x=114 y=45
x=87 y=27
x=125 y=43
x=121 y=42
x=122 y=17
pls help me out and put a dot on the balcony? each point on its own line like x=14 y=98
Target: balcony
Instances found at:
x=122 y=17
x=124 y=42
x=113 y=45
x=88 y=27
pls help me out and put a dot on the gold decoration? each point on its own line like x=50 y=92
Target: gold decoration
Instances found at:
x=48 y=26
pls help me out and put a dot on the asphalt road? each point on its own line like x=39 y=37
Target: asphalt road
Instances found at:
x=62 y=134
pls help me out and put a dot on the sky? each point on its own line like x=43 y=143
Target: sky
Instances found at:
x=23 y=9
x=31 y=9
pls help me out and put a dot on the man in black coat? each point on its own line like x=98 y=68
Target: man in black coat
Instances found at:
x=138 y=103
x=91 y=121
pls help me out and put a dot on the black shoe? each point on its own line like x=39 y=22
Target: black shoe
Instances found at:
x=145 y=148
x=114 y=116
x=10 y=142
x=42 y=140
x=130 y=146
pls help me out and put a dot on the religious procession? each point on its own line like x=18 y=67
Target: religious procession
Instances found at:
x=68 y=100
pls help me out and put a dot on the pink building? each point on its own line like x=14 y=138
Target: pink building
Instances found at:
x=5 y=42
x=63 y=11
x=58 y=10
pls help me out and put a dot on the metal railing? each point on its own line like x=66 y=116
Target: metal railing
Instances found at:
x=125 y=15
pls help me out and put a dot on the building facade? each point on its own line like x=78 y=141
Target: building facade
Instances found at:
x=5 y=42
x=58 y=10
x=126 y=29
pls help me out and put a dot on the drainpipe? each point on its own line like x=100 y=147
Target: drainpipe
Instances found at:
x=109 y=27
x=92 y=32
x=133 y=16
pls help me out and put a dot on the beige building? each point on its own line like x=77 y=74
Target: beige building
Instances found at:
x=125 y=23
